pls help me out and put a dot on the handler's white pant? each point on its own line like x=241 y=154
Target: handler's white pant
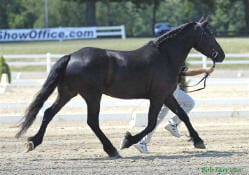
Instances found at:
x=186 y=102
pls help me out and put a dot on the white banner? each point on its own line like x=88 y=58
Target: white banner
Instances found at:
x=47 y=34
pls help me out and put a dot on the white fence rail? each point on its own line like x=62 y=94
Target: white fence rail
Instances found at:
x=46 y=60
x=111 y=31
x=136 y=118
x=48 y=63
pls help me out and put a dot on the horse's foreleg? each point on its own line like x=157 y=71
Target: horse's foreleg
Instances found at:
x=93 y=107
x=173 y=105
x=48 y=116
x=154 y=110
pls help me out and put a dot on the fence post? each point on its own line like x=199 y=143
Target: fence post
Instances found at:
x=204 y=61
x=48 y=55
x=123 y=31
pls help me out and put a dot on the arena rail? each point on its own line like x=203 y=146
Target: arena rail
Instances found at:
x=136 y=118
x=48 y=56
x=48 y=59
x=111 y=31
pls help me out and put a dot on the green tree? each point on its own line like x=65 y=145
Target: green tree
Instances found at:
x=225 y=19
x=21 y=14
x=65 y=13
x=89 y=11
x=246 y=12
x=139 y=16
x=4 y=5
x=136 y=20
x=154 y=4
x=197 y=9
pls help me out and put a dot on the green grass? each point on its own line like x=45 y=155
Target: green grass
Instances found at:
x=29 y=68
x=234 y=45
x=69 y=46
x=229 y=45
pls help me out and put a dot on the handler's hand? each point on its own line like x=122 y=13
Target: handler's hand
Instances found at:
x=209 y=70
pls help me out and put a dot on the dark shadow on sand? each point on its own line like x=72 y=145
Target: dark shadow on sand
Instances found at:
x=187 y=155
x=149 y=157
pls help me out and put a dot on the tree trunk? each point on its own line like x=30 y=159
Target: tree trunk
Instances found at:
x=246 y=4
x=154 y=9
x=3 y=16
x=91 y=13
x=109 y=13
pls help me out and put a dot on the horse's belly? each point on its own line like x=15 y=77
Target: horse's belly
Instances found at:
x=126 y=91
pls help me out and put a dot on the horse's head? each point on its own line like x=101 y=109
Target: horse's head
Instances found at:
x=206 y=42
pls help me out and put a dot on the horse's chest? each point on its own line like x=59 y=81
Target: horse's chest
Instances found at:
x=165 y=83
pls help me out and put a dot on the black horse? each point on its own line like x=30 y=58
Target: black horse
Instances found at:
x=150 y=72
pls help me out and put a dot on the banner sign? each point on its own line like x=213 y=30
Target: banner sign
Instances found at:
x=47 y=34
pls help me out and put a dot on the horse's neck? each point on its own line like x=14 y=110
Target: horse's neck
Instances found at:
x=177 y=50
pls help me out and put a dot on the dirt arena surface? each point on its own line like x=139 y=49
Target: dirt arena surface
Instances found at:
x=72 y=148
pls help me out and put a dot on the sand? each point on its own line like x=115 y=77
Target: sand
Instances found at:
x=72 y=148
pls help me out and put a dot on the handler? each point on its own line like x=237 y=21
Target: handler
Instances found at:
x=185 y=101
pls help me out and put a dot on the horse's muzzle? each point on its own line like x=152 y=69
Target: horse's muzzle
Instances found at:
x=218 y=56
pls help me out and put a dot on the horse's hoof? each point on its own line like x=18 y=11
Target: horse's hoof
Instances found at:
x=115 y=156
x=30 y=146
x=200 y=145
x=125 y=143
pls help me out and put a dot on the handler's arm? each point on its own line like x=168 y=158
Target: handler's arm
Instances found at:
x=193 y=72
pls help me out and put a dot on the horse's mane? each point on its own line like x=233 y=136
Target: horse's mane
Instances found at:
x=172 y=33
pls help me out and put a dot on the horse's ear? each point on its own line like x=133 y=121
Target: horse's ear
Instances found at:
x=205 y=22
x=201 y=20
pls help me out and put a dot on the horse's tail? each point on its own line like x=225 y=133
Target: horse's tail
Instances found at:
x=48 y=87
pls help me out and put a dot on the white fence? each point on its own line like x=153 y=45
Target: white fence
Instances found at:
x=136 y=117
x=111 y=31
x=45 y=59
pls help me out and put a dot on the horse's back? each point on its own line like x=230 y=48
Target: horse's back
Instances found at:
x=123 y=74
x=132 y=72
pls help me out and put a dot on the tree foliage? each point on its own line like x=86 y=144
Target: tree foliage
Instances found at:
x=139 y=16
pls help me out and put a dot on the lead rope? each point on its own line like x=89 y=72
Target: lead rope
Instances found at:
x=204 y=83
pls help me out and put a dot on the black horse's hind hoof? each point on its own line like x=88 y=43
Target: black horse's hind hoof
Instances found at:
x=200 y=145
x=115 y=155
x=30 y=146
x=126 y=143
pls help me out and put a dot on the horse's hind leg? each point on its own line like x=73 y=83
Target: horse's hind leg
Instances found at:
x=62 y=98
x=93 y=107
x=173 y=105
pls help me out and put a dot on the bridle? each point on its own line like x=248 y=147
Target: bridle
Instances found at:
x=214 y=54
